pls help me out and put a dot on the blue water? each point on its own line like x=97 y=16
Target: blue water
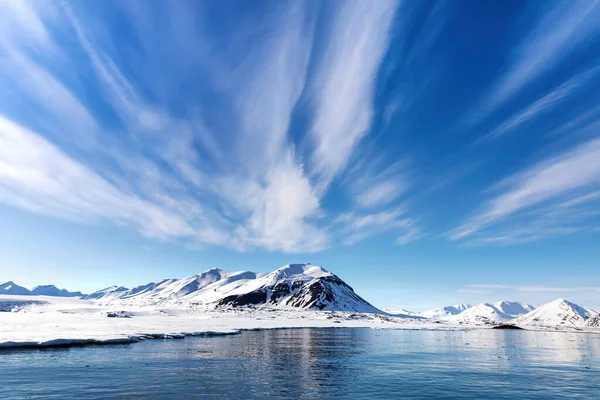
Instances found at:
x=316 y=363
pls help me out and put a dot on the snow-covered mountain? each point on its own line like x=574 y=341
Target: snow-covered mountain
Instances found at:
x=560 y=313
x=51 y=290
x=514 y=308
x=42 y=290
x=438 y=313
x=303 y=286
x=399 y=311
x=490 y=313
x=109 y=293
x=12 y=288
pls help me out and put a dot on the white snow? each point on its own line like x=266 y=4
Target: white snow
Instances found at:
x=63 y=321
x=561 y=313
x=513 y=308
x=490 y=313
x=438 y=313
x=45 y=320
x=223 y=302
x=291 y=286
x=400 y=311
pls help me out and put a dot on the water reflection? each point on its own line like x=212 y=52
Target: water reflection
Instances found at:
x=316 y=363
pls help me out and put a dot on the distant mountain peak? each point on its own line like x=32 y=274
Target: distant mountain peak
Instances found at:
x=438 y=313
x=561 y=313
x=12 y=288
x=489 y=313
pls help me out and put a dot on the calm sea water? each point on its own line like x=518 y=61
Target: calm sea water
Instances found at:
x=316 y=363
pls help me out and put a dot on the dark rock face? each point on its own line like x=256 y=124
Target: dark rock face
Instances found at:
x=321 y=293
x=254 y=298
x=283 y=289
x=325 y=292
x=317 y=294
x=594 y=322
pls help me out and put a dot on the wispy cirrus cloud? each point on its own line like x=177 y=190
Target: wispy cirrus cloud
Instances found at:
x=533 y=289
x=566 y=179
x=344 y=88
x=37 y=176
x=562 y=27
x=359 y=226
x=545 y=103
x=373 y=183
x=107 y=124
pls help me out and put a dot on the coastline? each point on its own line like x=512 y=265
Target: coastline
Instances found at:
x=63 y=322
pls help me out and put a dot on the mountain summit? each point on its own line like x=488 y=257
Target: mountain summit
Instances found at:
x=490 y=313
x=304 y=286
x=51 y=290
x=560 y=313
x=12 y=288
x=44 y=290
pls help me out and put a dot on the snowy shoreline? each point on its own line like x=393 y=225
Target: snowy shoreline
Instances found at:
x=59 y=322
x=222 y=302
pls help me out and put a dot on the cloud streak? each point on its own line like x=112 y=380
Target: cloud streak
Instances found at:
x=545 y=103
x=534 y=289
x=359 y=226
x=563 y=175
x=181 y=173
x=562 y=27
x=37 y=176
x=343 y=89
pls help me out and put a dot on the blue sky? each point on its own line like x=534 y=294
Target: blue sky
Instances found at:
x=428 y=152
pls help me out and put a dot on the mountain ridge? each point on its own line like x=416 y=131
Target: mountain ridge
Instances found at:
x=304 y=286
x=311 y=287
x=561 y=313
x=491 y=313
x=12 y=288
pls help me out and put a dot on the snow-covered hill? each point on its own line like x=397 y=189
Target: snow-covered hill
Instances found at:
x=490 y=313
x=109 y=293
x=560 y=313
x=438 y=313
x=304 y=286
x=12 y=288
x=514 y=308
x=51 y=290
x=43 y=290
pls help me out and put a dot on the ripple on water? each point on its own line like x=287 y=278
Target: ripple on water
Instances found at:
x=316 y=363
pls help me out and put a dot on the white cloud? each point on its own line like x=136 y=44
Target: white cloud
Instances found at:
x=371 y=184
x=545 y=103
x=564 y=175
x=534 y=289
x=239 y=182
x=356 y=227
x=276 y=197
x=19 y=21
x=562 y=27
x=37 y=176
x=379 y=194
x=344 y=86
x=278 y=212
x=122 y=93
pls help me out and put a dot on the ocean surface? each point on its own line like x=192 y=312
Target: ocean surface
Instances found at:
x=315 y=363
